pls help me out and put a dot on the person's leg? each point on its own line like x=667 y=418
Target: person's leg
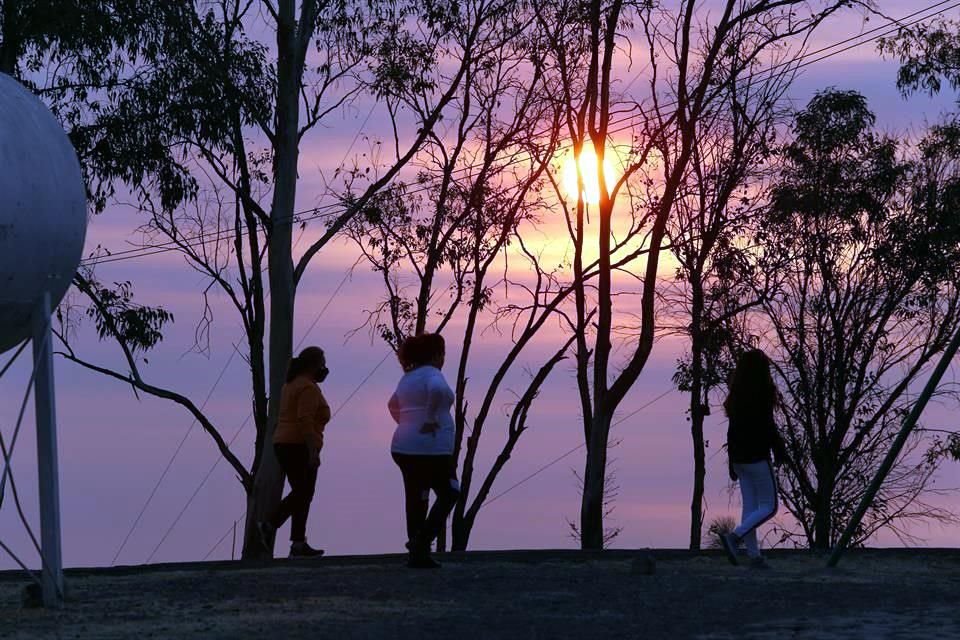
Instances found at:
x=303 y=490
x=443 y=481
x=760 y=476
x=416 y=493
x=748 y=498
x=287 y=458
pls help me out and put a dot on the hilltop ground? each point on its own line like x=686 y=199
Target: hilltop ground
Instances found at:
x=522 y=594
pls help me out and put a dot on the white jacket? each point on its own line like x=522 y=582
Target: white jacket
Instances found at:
x=422 y=396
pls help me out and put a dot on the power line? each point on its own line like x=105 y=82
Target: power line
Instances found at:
x=333 y=415
x=172 y=245
x=194 y=494
x=799 y=62
x=800 y=66
x=220 y=541
x=898 y=24
x=571 y=451
x=169 y=464
x=203 y=481
x=226 y=366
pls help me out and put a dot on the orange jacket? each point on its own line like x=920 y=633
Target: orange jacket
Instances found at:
x=304 y=413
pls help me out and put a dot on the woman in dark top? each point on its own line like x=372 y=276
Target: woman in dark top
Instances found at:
x=752 y=436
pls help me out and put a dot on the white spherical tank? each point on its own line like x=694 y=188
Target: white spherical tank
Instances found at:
x=43 y=212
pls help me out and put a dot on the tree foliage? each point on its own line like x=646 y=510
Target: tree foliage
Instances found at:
x=864 y=240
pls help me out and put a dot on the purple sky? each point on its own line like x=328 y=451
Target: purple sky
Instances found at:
x=113 y=446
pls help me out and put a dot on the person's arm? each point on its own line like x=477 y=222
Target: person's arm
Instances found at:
x=321 y=419
x=780 y=455
x=308 y=406
x=394 y=406
x=437 y=389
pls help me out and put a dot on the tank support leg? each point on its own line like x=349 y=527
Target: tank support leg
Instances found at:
x=45 y=402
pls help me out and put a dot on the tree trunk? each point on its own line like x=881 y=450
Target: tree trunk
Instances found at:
x=822 y=521
x=460 y=533
x=268 y=484
x=697 y=414
x=594 y=479
x=591 y=509
x=699 y=474
x=9 y=40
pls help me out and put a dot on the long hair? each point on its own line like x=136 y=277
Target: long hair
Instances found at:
x=416 y=351
x=308 y=361
x=751 y=387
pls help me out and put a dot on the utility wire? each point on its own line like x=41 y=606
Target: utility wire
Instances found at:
x=206 y=477
x=898 y=24
x=854 y=41
x=226 y=366
x=170 y=462
x=194 y=494
x=333 y=415
x=8 y=464
x=801 y=61
x=571 y=451
x=220 y=541
x=172 y=245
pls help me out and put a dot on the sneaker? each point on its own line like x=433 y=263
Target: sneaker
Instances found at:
x=266 y=531
x=759 y=563
x=303 y=550
x=729 y=543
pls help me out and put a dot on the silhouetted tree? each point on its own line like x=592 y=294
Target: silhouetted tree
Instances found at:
x=691 y=53
x=867 y=245
x=435 y=241
x=714 y=281
x=929 y=54
x=235 y=109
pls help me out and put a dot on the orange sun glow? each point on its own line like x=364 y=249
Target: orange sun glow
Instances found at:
x=588 y=170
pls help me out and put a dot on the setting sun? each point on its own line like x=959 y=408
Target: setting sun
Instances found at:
x=588 y=169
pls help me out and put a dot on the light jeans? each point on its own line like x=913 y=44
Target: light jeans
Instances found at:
x=758 y=488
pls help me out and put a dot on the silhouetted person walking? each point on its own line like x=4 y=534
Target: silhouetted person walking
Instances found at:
x=297 y=441
x=423 y=443
x=752 y=436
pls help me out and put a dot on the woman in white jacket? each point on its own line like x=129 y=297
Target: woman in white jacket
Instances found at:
x=423 y=443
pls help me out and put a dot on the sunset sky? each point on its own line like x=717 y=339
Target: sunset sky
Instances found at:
x=114 y=446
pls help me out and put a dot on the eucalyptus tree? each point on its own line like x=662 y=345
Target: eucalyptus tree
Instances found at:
x=235 y=109
x=715 y=281
x=75 y=54
x=929 y=55
x=435 y=242
x=864 y=235
x=691 y=53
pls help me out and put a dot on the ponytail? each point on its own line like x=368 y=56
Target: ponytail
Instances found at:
x=308 y=360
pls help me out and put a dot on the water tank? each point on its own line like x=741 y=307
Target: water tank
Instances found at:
x=43 y=212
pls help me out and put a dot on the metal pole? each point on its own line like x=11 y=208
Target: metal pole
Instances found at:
x=233 y=545
x=908 y=424
x=45 y=402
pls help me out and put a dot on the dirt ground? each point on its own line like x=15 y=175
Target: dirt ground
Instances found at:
x=878 y=594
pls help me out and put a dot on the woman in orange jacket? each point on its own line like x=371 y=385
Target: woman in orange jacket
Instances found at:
x=297 y=441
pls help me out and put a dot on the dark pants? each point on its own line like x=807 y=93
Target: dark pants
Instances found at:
x=294 y=459
x=421 y=474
